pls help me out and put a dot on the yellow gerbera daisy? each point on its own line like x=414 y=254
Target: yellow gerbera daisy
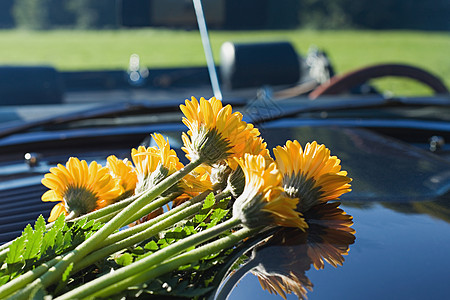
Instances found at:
x=263 y=201
x=153 y=164
x=312 y=174
x=79 y=188
x=253 y=144
x=215 y=132
x=124 y=171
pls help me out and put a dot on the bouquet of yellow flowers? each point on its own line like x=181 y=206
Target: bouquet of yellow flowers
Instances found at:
x=117 y=229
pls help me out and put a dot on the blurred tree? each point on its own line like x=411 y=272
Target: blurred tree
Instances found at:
x=46 y=14
x=41 y=14
x=94 y=14
x=380 y=14
x=325 y=14
x=31 y=14
x=248 y=14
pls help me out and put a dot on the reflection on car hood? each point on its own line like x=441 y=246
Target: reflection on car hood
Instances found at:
x=400 y=205
x=396 y=255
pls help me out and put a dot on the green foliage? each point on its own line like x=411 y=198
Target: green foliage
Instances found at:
x=151 y=246
x=15 y=250
x=6 y=18
x=125 y=259
x=212 y=212
x=66 y=273
x=206 y=209
x=37 y=245
x=65 y=277
x=411 y=14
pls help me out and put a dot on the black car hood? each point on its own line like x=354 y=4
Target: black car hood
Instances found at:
x=399 y=201
x=384 y=169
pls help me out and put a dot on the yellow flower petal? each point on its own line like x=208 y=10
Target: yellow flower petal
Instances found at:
x=123 y=170
x=263 y=201
x=51 y=196
x=215 y=132
x=57 y=210
x=81 y=187
x=311 y=174
x=149 y=160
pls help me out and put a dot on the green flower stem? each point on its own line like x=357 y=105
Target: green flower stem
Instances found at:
x=149 y=208
x=102 y=215
x=178 y=261
x=106 y=218
x=124 y=238
x=31 y=275
x=150 y=261
x=172 y=264
x=138 y=228
x=139 y=237
x=55 y=272
x=107 y=210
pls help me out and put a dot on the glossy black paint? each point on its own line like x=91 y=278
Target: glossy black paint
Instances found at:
x=401 y=190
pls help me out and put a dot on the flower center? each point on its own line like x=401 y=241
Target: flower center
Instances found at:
x=80 y=200
x=297 y=186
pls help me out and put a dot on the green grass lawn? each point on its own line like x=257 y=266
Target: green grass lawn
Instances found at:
x=81 y=50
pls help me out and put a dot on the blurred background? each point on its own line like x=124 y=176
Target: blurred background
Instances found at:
x=230 y=14
x=102 y=34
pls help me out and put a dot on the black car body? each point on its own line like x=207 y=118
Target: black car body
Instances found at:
x=393 y=148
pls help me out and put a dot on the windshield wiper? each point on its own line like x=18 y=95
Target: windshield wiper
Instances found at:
x=265 y=109
x=100 y=111
x=18 y=126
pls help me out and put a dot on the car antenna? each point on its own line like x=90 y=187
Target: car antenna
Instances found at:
x=207 y=48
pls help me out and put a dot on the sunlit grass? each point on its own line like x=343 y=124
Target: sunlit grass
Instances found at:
x=348 y=50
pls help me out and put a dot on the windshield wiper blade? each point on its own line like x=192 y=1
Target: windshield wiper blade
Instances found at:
x=100 y=111
x=266 y=109
x=18 y=126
